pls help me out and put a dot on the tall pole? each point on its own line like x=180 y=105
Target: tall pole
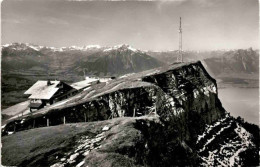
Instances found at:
x=33 y=123
x=180 y=58
x=84 y=73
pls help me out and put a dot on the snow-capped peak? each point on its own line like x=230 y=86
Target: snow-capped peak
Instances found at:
x=75 y=48
x=93 y=46
x=23 y=46
x=35 y=47
x=122 y=46
x=131 y=48
x=6 y=45
x=84 y=48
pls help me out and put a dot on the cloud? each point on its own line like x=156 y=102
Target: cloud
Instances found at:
x=208 y=3
x=205 y=3
x=161 y=3
x=52 y=20
x=87 y=17
x=12 y=21
x=130 y=0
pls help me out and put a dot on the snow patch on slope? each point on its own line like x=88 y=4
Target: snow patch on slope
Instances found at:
x=210 y=127
x=227 y=154
x=82 y=149
x=246 y=142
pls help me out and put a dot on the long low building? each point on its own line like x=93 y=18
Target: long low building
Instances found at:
x=88 y=82
x=83 y=84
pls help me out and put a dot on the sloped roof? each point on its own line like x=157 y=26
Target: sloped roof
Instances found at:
x=82 y=84
x=40 y=90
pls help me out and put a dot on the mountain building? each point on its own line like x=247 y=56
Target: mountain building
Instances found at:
x=44 y=93
x=90 y=80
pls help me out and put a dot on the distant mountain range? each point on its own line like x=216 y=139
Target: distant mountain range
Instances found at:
x=238 y=61
x=117 y=60
x=95 y=60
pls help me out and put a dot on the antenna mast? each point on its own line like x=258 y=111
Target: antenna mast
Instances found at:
x=180 y=58
x=84 y=73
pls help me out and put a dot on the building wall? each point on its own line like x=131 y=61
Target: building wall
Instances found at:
x=64 y=92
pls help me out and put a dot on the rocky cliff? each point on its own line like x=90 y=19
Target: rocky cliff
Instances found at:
x=172 y=117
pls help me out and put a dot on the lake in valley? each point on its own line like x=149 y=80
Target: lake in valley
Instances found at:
x=243 y=102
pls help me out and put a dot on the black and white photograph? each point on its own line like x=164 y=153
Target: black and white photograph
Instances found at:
x=127 y=83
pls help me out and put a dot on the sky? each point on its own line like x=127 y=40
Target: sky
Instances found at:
x=146 y=25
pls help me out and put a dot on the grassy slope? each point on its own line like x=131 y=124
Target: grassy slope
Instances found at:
x=16 y=109
x=40 y=147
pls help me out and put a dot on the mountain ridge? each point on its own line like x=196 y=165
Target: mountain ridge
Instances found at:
x=66 y=58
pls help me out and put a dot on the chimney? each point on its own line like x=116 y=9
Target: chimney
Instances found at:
x=48 y=82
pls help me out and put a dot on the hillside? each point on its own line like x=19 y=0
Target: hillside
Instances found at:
x=169 y=116
x=42 y=60
x=139 y=141
x=238 y=61
x=119 y=60
x=238 y=68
